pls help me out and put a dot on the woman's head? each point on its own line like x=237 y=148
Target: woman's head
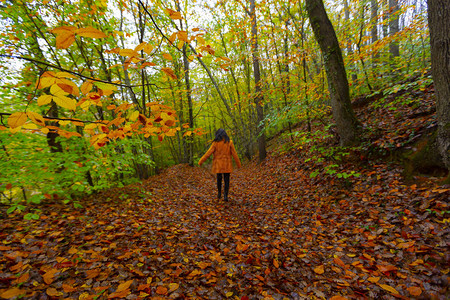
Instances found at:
x=221 y=135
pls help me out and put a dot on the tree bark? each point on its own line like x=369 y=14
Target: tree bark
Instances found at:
x=393 y=27
x=439 y=24
x=346 y=122
x=257 y=75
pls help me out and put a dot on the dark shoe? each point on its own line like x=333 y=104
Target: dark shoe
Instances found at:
x=219 y=195
x=225 y=198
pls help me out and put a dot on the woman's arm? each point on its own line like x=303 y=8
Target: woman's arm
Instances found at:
x=207 y=154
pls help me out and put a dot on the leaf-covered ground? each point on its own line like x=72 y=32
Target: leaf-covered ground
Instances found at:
x=283 y=235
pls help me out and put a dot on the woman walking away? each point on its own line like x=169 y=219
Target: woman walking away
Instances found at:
x=222 y=149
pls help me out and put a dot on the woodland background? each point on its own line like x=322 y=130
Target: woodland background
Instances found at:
x=106 y=106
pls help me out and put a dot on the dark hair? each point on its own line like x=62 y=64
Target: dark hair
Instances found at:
x=221 y=135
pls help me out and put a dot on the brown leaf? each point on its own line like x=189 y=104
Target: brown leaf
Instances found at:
x=11 y=293
x=319 y=270
x=415 y=290
x=161 y=290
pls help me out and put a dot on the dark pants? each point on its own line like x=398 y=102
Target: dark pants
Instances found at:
x=226 y=179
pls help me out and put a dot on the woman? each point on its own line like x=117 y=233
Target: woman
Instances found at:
x=223 y=149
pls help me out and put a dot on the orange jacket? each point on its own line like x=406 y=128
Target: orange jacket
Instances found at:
x=222 y=157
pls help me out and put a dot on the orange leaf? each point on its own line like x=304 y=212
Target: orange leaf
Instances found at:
x=276 y=264
x=167 y=56
x=174 y=15
x=161 y=290
x=52 y=292
x=319 y=270
x=68 y=288
x=338 y=298
x=17 y=119
x=169 y=72
x=203 y=265
x=48 y=277
x=415 y=290
x=14 y=292
x=124 y=286
x=23 y=278
x=389 y=288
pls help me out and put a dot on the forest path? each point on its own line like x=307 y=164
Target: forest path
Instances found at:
x=282 y=235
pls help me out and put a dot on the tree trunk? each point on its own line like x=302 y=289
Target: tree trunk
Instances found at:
x=259 y=97
x=349 y=41
x=439 y=24
x=393 y=27
x=347 y=124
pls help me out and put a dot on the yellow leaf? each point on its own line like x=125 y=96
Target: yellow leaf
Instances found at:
x=174 y=15
x=201 y=40
x=44 y=99
x=45 y=130
x=183 y=36
x=91 y=32
x=86 y=87
x=17 y=119
x=14 y=292
x=148 y=49
x=65 y=40
x=124 y=286
x=167 y=56
x=229 y=294
x=140 y=47
x=319 y=270
x=134 y=116
x=65 y=102
x=64 y=75
x=30 y=126
x=373 y=279
x=173 y=287
x=57 y=91
x=128 y=52
x=389 y=288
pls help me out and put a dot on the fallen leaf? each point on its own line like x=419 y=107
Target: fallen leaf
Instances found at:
x=319 y=270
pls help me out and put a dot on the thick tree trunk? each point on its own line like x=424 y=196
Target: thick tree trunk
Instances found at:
x=259 y=97
x=347 y=124
x=393 y=27
x=439 y=24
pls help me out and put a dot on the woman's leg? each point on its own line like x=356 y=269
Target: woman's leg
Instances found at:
x=219 y=185
x=226 y=179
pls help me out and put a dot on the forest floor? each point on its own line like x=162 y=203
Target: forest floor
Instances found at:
x=284 y=234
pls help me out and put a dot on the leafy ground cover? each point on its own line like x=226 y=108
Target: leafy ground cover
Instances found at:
x=292 y=230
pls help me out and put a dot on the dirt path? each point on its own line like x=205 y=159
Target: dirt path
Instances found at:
x=283 y=235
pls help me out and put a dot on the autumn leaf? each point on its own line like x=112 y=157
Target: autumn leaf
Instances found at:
x=17 y=119
x=11 y=293
x=90 y=32
x=319 y=269
x=415 y=291
x=338 y=298
x=174 y=15
x=161 y=290
x=173 y=287
x=125 y=285
x=167 y=56
x=44 y=99
x=389 y=289
x=49 y=276
x=36 y=118
x=65 y=102
x=52 y=292
x=169 y=72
